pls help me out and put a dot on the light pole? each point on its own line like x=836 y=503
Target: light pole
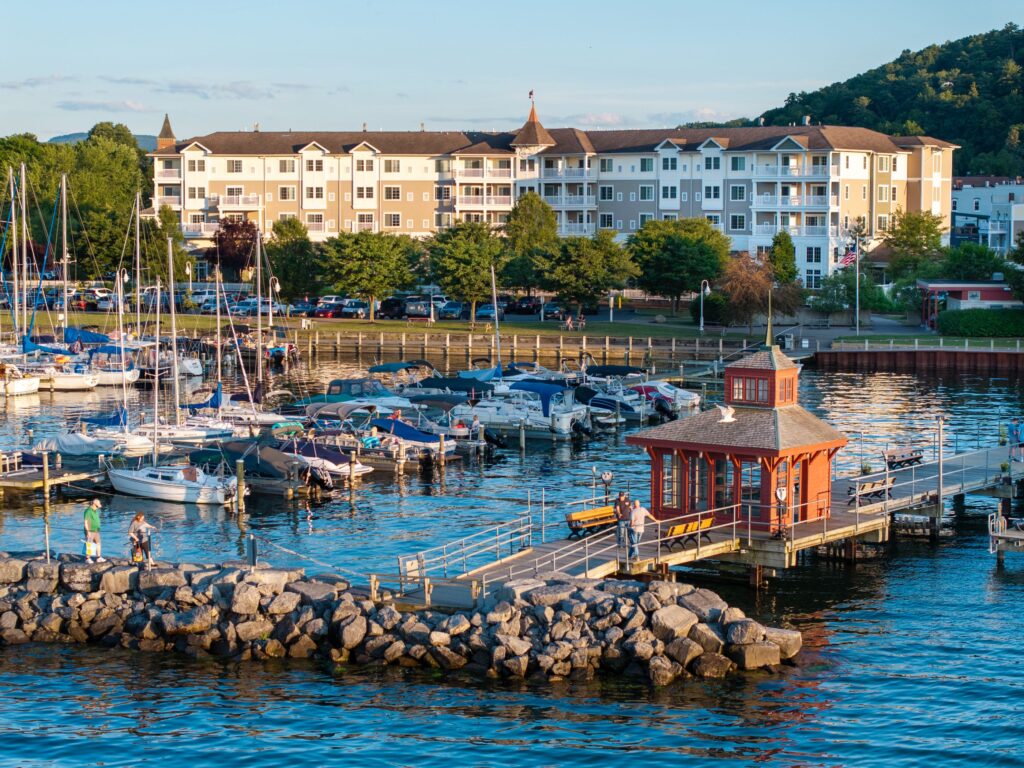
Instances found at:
x=275 y=289
x=705 y=290
x=856 y=284
x=188 y=271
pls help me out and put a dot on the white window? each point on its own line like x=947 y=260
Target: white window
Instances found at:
x=864 y=162
x=977 y=204
x=883 y=223
x=528 y=165
x=392 y=193
x=712 y=192
x=895 y=160
x=286 y=166
x=442 y=192
x=618 y=198
x=974 y=295
x=632 y=197
x=286 y=193
x=863 y=191
x=846 y=192
x=632 y=224
x=696 y=197
x=883 y=193
x=392 y=220
x=442 y=220
x=646 y=192
x=426 y=197
x=645 y=217
x=937 y=163
x=314 y=193
x=314 y=166
x=813 y=278
x=892 y=194
x=606 y=165
x=737 y=192
x=364 y=193
x=605 y=221
x=668 y=217
x=668 y=192
x=669 y=163
x=883 y=163
x=714 y=218
x=330 y=197
x=646 y=164
x=442 y=165
x=233 y=191
x=234 y=166
x=712 y=163
x=364 y=165
x=847 y=158
x=738 y=163
x=314 y=218
x=197 y=166
x=683 y=196
x=196 y=193
x=737 y=221
x=392 y=166
x=618 y=223
x=813 y=254
x=283 y=216
x=606 y=193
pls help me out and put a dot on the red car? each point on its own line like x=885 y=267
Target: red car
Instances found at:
x=331 y=309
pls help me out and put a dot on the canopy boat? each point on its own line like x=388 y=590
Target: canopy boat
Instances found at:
x=416 y=443
x=677 y=399
x=106 y=363
x=627 y=404
x=324 y=457
x=508 y=412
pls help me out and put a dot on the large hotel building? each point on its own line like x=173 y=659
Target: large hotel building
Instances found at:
x=813 y=181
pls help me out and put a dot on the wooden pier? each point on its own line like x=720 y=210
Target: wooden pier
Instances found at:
x=19 y=478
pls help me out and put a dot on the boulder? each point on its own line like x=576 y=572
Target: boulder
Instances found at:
x=388 y=617
x=286 y=602
x=707 y=637
x=353 y=633
x=436 y=639
x=12 y=570
x=549 y=595
x=394 y=651
x=303 y=648
x=456 y=625
x=683 y=650
x=14 y=636
x=501 y=613
x=662 y=671
x=710 y=665
x=8 y=620
x=516 y=645
x=312 y=592
x=622 y=588
x=77 y=576
x=744 y=631
x=193 y=622
x=515 y=589
x=789 y=641
x=649 y=603
x=275 y=578
x=706 y=604
x=517 y=665
x=274 y=649
x=246 y=600
x=156 y=580
x=731 y=614
x=120 y=580
x=40 y=569
x=247 y=631
x=447 y=658
x=671 y=622
x=51 y=622
x=754 y=655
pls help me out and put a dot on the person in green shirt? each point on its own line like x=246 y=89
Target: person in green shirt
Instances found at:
x=91 y=523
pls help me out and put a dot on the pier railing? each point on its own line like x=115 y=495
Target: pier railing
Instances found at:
x=463 y=555
x=917 y=344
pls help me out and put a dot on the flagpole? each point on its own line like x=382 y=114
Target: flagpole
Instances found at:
x=856 y=277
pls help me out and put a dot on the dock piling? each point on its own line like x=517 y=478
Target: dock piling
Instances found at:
x=240 y=489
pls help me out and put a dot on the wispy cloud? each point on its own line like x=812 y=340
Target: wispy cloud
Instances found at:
x=699 y=114
x=595 y=120
x=496 y=122
x=90 y=105
x=35 y=82
x=237 y=89
x=403 y=96
x=128 y=80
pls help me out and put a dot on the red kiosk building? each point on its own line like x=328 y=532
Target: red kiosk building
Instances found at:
x=761 y=456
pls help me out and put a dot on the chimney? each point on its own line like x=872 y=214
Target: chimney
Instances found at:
x=423 y=127
x=255 y=127
x=807 y=120
x=364 y=127
x=760 y=121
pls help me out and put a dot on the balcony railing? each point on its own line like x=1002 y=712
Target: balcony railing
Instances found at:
x=571 y=229
x=498 y=199
x=169 y=173
x=364 y=226
x=997 y=228
x=812 y=171
x=471 y=199
x=795 y=201
x=797 y=231
x=479 y=173
x=566 y=173
x=234 y=201
x=169 y=200
x=201 y=229
x=316 y=226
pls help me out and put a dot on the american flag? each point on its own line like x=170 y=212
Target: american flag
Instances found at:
x=848 y=258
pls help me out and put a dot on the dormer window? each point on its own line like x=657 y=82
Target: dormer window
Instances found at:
x=750 y=389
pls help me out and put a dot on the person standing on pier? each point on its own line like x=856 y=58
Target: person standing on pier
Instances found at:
x=622 y=515
x=637 y=517
x=91 y=524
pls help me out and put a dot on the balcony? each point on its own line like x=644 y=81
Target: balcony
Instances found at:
x=789 y=171
x=476 y=200
x=566 y=173
x=171 y=201
x=573 y=229
x=169 y=174
x=364 y=226
x=997 y=228
x=770 y=230
x=480 y=173
x=236 y=202
x=563 y=201
x=316 y=226
x=821 y=201
x=201 y=229
x=498 y=200
x=794 y=201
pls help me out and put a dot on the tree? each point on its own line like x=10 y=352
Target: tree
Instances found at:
x=154 y=248
x=914 y=237
x=782 y=257
x=971 y=261
x=368 y=264
x=296 y=262
x=838 y=292
x=746 y=282
x=674 y=256
x=461 y=259
x=583 y=269
x=234 y=246
x=531 y=234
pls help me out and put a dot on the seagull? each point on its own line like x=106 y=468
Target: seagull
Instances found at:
x=727 y=411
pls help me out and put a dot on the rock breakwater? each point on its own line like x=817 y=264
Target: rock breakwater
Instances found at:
x=553 y=627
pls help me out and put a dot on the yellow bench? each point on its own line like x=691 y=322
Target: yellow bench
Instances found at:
x=590 y=520
x=682 y=533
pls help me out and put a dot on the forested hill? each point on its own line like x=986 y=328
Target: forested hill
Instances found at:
x=968 y=91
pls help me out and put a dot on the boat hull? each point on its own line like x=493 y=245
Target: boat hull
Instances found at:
x=144 y=484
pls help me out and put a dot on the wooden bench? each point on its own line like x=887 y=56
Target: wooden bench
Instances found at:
x=590 y=521
x=683 y=533
x=424 y=320
x=875 y=490
x=898 y=458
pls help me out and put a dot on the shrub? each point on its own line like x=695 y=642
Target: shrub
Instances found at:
x=716 y=308
x=981 y=322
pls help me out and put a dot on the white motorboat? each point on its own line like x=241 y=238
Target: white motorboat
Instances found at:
x=184 y=484
x=678 y=399
x=64 y=377
x=194 y=430
x=13 y=382
x=508 y=412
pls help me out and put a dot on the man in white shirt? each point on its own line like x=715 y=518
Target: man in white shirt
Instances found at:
x=637 y=516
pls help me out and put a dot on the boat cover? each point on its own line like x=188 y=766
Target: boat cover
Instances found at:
x=614 y=370
x=71 y=335
x=214 y=402
x=546 y=391
x=117 y=419
x=404 y=431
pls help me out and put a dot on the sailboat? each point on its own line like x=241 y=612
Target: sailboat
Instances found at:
x=181 y=483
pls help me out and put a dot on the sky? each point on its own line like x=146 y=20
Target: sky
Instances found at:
x=323 y=65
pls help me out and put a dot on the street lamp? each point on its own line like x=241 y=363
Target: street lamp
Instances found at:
x=275 y=288
x=705 y=290
x=188 y=271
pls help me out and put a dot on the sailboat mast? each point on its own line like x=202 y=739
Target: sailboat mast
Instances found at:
x=16 y=299
x=138 y=264
x=259 y=310
x=121 y=275
x=64 y=242
x=156 y=379
x=497 y=330
x=174 y=330
x=24 y=250
x=217 y=296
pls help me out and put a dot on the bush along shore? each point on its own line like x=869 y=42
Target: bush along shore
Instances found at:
x=552 y=628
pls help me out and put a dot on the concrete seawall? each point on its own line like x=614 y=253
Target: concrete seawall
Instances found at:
x=549 y=628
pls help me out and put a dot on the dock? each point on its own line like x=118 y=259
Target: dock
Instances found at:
x=21 y=478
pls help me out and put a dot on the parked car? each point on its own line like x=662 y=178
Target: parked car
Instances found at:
x=553 y=311
x=249 y=307
x=527 y=305
x=417 y=306
x=328 y=309
x=301 y=309
x=506 y=302
x=452 y=310
x=488 y=312
x=331 y=299
x=356 y=309
x=392 y=308
x=209 y=307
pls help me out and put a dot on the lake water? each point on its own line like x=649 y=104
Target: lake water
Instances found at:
x=910 y=659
